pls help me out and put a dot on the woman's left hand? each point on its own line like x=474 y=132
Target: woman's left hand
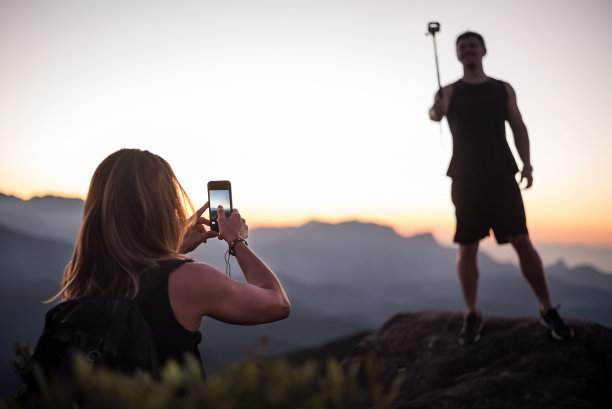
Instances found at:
x=197 y=233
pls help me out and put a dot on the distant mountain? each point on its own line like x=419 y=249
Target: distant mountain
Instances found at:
x=30 y=269
x=516 y=364
x=574 y=255
x=341 y=279
x=49 y=217
x=383 y=270
x=27 y=258
x=59 y=218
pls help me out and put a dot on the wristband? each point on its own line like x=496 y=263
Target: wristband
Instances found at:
x=233 y=243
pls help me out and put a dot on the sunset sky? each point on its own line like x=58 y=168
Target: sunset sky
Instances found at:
x=314 y=109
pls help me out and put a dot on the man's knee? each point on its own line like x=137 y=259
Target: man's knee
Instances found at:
x=521 y=242
x=468 y=250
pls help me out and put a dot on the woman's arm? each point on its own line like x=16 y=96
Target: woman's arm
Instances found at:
x=198 y=289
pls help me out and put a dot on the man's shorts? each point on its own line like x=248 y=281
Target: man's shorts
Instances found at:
x=481 y=205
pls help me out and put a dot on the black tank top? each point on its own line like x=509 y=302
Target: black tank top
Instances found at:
x=477 y=116
x=173 y=340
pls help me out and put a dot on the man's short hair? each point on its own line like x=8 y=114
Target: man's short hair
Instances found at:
x=469 y=34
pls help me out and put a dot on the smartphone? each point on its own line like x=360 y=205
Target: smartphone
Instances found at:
x=219 y=194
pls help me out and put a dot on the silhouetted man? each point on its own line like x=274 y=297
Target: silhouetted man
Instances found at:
x=485 y=192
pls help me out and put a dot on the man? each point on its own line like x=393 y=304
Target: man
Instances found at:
x=484 y=189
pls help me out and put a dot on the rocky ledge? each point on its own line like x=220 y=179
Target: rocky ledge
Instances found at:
x=516 y=364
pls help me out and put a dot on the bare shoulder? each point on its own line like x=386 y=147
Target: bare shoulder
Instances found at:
x=514 y=115
x=194 y=276
x=195 y=266
x=447 y=95
x=192 y=289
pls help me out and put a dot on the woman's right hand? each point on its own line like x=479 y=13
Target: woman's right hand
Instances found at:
x=196 y=234
x=232 y=227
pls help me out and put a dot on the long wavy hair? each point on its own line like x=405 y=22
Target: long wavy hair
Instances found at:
x=135 y=216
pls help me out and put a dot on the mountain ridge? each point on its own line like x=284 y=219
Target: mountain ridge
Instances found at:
x=62 y=218
x=341 y=279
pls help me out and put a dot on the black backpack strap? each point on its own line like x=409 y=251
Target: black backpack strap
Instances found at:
x=150 y=278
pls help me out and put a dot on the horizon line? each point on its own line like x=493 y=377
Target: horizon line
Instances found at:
x=442 y=234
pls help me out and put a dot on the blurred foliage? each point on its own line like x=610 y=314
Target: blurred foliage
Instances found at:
x=259 y=382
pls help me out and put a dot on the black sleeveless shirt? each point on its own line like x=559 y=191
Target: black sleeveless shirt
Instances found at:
x=477 y=116
x=173 y=340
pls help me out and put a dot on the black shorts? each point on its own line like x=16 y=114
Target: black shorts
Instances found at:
x=481 y=205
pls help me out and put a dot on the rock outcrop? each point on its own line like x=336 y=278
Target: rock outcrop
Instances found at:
x=516 y=364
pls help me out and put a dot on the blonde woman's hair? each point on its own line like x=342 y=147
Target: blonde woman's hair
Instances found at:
x=135 y=215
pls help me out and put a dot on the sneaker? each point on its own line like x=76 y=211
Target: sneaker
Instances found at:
x=470 y=332
x=557 y=325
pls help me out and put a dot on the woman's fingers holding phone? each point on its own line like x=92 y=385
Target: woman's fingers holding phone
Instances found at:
x=197 y=234
x=202 y=209
x=233 y=226
x=221 y=221
x=202 y=220
x=243 y=228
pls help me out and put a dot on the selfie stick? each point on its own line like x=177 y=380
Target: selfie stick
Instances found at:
x=432 y=29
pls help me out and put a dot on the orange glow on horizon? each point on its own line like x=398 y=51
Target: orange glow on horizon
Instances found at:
x=594 y=228
x=57 y=193
x=443 y=229
x=574 y=223
x=589 y=236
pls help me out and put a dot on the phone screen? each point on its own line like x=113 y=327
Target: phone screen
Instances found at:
x=219 y=194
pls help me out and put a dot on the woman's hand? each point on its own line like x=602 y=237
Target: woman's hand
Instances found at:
x=231 y=227
x=198 y=289
x=197 y=234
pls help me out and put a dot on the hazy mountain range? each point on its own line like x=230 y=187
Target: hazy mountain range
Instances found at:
x=60 y=218
x=340 y=278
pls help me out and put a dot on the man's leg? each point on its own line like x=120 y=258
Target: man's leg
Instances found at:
x=472 y=225
x=532 y=268
x=467 y=269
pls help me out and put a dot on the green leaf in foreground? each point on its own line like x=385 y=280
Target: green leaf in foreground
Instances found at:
x=261 y=382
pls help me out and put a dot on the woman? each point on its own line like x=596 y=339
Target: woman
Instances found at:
x=134 y=237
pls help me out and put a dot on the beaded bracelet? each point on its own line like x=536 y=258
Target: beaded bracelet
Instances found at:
x=231 y=252
x=233 y=243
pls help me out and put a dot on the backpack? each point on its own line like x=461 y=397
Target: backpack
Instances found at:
x=110 y=333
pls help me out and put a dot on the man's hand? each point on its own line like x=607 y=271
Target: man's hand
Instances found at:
x=526 y=174
x=441 y=102
x=197 y=233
